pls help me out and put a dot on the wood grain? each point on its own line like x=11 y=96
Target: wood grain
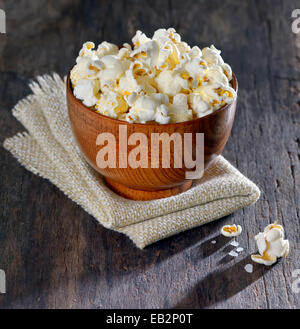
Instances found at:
x=141 y=183
x=57 y=256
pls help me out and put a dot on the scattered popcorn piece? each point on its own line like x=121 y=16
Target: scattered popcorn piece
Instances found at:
x=233 y=253
x=213 y=241
x=240 y=249
x=195 y=82
x=249 y=268
x=231 y=230
x=271 y=245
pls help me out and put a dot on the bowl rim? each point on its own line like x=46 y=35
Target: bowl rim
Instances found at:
x=223 y=108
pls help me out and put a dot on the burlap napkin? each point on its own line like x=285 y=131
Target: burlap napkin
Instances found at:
x=48 y=150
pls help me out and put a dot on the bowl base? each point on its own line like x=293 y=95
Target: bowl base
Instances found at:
x=134 y=194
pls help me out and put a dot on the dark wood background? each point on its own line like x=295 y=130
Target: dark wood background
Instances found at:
x=56 y=256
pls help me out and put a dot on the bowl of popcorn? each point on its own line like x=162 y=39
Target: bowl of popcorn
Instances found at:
x=138 y=112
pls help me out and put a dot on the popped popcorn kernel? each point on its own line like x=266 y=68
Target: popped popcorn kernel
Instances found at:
x=231 y=230
x=124 y=82
x=271 y=245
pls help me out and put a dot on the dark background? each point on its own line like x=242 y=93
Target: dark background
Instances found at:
x=56 y=256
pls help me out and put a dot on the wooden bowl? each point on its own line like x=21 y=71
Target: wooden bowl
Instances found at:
x=147 y=183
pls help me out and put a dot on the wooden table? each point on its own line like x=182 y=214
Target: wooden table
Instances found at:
x=56 y=256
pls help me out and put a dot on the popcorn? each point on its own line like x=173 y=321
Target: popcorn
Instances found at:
x=106 y=48
x=170 y=84
x=131 y=117
x=86 y=90
x=147 y=84
x=161 y=98
x=183 y=47
x=163 y=36
x=127 y=46
x=140 y=38
x=195 y=69
x=111 y=104
x=143 y=108
x=146 y=108
x=228 y=95
x=231 y=230
x=132 y=82
x=130 y=99
x=162 y=114
x=227 y=71
x=128 y=84
x=271 y=245
x=87 y=50
x=159 y=79
x=209 y=94
x=113 y=68
x=147 y=53
x=195 y=52
x=86 y=68
x=170 y=48
x=215 y=75
x=179 y=109
x=124 y=53
x=199 y=106
x=212 y=55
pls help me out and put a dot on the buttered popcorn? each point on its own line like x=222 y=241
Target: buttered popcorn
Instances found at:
x=160 y=80
x=271 y=245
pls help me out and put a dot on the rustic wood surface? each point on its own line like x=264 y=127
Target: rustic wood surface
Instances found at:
x=56 y=256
